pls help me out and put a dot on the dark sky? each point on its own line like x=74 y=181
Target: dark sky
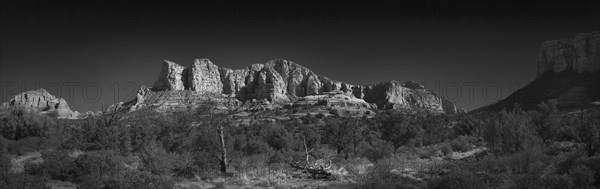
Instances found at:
x=470 y=51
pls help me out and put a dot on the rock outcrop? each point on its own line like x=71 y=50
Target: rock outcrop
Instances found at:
x=283 y=81
x=581 y=54
x=171 y=101
x=396 y=95
x=171 y=77
x=42 y=101
x=568 y=71
x=204 y=76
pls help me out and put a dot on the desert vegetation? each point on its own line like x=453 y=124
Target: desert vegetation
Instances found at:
x=200 y=148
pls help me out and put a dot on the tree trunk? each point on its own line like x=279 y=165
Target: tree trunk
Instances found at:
x=306 y=150
x=223 y=159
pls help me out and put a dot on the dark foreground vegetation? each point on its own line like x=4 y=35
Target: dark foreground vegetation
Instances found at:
x=542 y=148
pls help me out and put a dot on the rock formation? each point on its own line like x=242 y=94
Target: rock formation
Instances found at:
x=204 y=76
x=283 y=81
x=568 y=71
x=171 y=77
x=581 y=54
x=42 y=101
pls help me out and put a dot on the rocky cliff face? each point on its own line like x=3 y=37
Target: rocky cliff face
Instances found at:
x=42 y=101
x=283 y=81
x=581 y=54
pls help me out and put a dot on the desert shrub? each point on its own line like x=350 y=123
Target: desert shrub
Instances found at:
x=20 y=123
x=525 y=169
x=578 y=161
x=57 y=165
x=3 y=145
x=446 y=149
x=520 y=162
x=5 y=165
x=460 y=146
x=459 y=180
x=464 y=143
x=356 y=166
x=276 y=136
x=23 y=181
x=280 y=157
x=251 y=162
x=378 y=149
x=254 y=147
x=320 y=115
x=582 y=176
x=555 y=181
x=384 y=175
x=344 y=134
x=335 y=112
x=401 y=132
x=127 y=179
x=28 y=144
x=60 y=165
x=99 y=163
x=157 y=160
x=18 y=180
x=510 y=132
x=530 y=178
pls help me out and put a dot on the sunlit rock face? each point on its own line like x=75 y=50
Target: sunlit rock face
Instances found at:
x=283 y=81
x=204 y=76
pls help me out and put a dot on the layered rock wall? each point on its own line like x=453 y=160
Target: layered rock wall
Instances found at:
x=285 y=81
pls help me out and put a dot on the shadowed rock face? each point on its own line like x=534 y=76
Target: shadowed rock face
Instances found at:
x=568 y=71
x=283 y=81
x=171 y=77
x=42 y=101
x=581 y=54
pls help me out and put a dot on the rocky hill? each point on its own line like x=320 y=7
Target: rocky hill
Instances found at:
x=568 y=71
x=277 y=84
x=42 y=101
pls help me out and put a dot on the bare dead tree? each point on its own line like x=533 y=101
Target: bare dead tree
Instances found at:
x=305 y=149
x=218 y=121
x=315 y=169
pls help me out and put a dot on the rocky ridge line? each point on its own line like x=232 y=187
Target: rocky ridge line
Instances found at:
x=283 y=81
